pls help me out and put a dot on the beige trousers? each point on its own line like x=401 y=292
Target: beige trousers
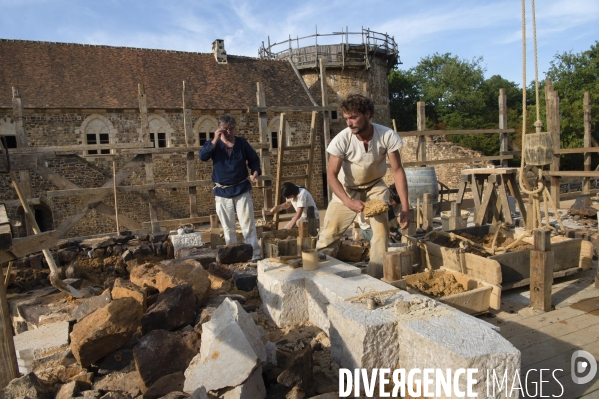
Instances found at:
x=339 y=218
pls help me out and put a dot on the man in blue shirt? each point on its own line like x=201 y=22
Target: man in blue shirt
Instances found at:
x=231 y=156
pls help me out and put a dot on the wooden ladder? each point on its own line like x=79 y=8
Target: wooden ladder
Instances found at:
x=281 y=163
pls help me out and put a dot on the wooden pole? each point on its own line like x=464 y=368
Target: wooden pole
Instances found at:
x=8 y=357
x=428 y=212
x=411 y=229
x=455 y=220
x=587 y=140
x=190 y=157
x=421 y=126
x=541 y=271
x=7 y=279
x=264 y=153
x=312 y=221
x=282 y=120
x=145 y=136
x=21 y=138
x=116 y=203
x=325 y=118
x=392 y=266
x=503 y=137
x=304 y=241
x=553 y=125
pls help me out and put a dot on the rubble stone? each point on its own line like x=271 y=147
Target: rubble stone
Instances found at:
x=128 y=383
x=246 y=279
x=298 y=370
x=68 y=390
x=221 y=270
x=100 y=242
x=127 y=255
x=185 y=272
x=119 y=360
x=123 y=289
x=252 y=388
x=174 y=308
x=166 y=384
x=234 y=253
x=92 y=304
x=230 y=340
x=105 y=330
x=163 y=352
x=27 y=386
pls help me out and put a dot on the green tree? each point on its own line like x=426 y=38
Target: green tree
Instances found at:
x=403 y=96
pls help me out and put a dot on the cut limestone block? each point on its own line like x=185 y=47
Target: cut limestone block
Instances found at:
x=362 y=338
x=282 y=288
x=252 y=388
x=451 y=339
x=188 y=240
x=44 y=341
x=230 y=341
x=324 y=289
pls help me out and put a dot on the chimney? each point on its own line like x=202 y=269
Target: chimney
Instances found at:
x=218 y=49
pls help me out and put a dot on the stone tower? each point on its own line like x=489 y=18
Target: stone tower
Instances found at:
x=356 y=62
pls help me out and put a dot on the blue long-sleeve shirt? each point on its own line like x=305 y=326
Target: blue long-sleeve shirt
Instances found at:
x=229 y=171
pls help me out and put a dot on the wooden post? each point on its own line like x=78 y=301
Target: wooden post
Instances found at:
x=541 y=271
x=553 y=126
x=264 y=153
x=455 y=219
x=312 y=221
x=304 y=241
x=325 y=118
x=8 y=356
x=21 y=138
x=418 y=213
x=421 y=126
x=190 y=157
x=428 y=212
x=503 y=137
x=214 y=222
x=311 y=151
x=392 y=266
x=411 y=229
x=116 y=207
x=587 y=141
x=282 y=120
x=145 y=136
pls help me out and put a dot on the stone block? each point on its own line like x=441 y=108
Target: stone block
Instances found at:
x=246 y=279
x=44 y=341
x=235 y=253
x=174 y=308
x=282 y=288
x=188 y=240
x=92 y=304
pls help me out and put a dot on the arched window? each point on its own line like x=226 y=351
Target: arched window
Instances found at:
x=204 y=129
x=160 y=131
x=273 y=133
x=7 y=132
x=97 y=129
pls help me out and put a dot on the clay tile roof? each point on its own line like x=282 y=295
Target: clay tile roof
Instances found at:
x=60 y=75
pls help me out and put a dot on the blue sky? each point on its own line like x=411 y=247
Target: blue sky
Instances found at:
x=467 y=28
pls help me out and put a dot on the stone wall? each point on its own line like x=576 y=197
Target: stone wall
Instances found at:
x=67 y=127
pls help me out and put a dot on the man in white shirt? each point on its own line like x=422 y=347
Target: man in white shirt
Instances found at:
x=357 y=164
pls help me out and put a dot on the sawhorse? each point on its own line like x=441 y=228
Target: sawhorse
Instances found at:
x=489 y=193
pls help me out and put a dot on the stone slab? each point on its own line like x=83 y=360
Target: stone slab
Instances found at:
x=47 y=339
x=187 y=240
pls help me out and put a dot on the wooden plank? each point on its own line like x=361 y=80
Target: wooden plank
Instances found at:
x=456 y=160
x=24 y=246
x=17 y=203
x=177 y=150
x=126 y=189
x=581 y=150
x=505 y=206
x=21 y=138
x=5 y=237
x=570 y=173
x=3 y=215
x=448 y=132
x=296 y=108
x=489 y=171
x=421 y=124
x=22 y=161
x=124 y=220
x=297 y=163
x=76 y=148
x=487 y=194
x=8 y=357
x=298 y=147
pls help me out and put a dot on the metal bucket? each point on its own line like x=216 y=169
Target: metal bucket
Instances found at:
x=422 y=181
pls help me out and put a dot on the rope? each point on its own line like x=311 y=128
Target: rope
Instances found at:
x=540 y=191
x=369 y=292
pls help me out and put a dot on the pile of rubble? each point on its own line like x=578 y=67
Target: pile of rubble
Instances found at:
x=154 y=326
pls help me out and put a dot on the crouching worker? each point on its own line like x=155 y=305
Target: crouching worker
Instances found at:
x=300 y=199
x=231 y=156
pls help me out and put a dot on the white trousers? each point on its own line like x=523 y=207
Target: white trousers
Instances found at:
x=244 y=206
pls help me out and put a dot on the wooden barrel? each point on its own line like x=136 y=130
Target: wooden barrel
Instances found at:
x=422 y=181
x=538 y=148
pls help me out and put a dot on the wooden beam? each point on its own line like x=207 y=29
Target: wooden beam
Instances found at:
x=124 y=220
x=5 y=231
x=325 y=118
x=503 y=137
x=553 y=126
x=8 y=357
x=587 y=139
x=282 y=120
x=456 y=160
x=585 y=150
x=17 y=203
x=541 y=271
x=287 y=109
x=27 y=245
x=125 y=189
x=571 y=173
x=311 y=152
x=77 y=148
x=449 y=132
x=21 y=138
x=177 y=150
x=421 y=124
